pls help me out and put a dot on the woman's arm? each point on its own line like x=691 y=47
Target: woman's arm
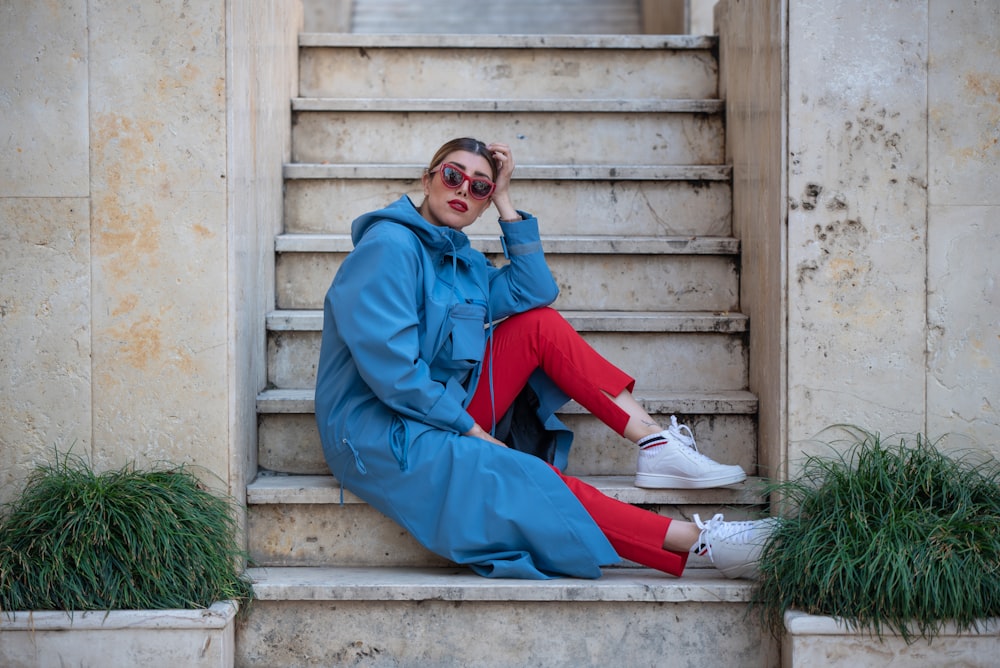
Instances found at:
x=526 y=282
x=375 y=303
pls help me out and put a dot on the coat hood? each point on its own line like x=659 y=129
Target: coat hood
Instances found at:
x=439 y=241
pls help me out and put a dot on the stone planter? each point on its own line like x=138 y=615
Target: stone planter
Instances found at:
x=146 y=638
x=812 y=640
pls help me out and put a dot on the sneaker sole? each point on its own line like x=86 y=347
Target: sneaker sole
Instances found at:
x=660 y=481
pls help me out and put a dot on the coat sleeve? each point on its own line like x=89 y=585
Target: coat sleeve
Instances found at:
x=525 y=282
x=374 y=298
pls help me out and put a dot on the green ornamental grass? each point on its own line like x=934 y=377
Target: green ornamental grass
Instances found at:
x=887 y=537
x=126 y=539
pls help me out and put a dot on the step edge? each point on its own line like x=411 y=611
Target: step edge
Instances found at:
x=276 y=401
x=511 y=105
x=329 y=583
x=411 y=172
x=626 y=322
x=593 y=244
x=284 y=489
x=449 y=41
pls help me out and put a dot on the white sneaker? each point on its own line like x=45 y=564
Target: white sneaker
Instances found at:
x=734 y=547
x=677 y=464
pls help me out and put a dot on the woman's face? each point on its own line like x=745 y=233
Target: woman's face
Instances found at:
x=455 y=207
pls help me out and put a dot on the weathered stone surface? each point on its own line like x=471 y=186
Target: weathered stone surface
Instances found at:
x=857 y=242
x=574 y=625
x=44 y=91
x=151 y=638
x=627 y=207
x=814 y=640
x=45 y=334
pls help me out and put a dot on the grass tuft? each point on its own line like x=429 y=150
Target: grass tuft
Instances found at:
x=126 y=539
x=899 y=538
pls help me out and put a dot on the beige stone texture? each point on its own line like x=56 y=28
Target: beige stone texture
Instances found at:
x=43 y=99
x=139 y=203
x=149 y=638
x=815 y=640
x=963 y=386
x=158 y=166
x=752 y=82
x=857 y=246
x=45 y=334
x=877 y=231
x=262 y=77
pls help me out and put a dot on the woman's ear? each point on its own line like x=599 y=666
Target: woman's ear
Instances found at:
x=425 y=180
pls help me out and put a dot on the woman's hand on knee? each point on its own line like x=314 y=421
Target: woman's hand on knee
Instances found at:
x=479 y=432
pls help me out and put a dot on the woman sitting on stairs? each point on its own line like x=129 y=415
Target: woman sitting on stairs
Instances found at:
x=413 y=412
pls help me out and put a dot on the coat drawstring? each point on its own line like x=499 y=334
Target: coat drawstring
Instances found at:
x=489 y=371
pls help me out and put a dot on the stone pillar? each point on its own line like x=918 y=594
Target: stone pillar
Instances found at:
x=140 y=192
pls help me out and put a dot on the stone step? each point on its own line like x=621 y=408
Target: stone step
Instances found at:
x=593 y=273
x=311 y=320
x=508 y=17
x=583 y=200
x=311 y=521
x=496 y=67
x=574 y=244
x=640 y=138
x=451 y=618
x=724 y=424
x=466 y=105
x=659 y=361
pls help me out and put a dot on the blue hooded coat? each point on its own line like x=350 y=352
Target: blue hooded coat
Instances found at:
x=406 y=324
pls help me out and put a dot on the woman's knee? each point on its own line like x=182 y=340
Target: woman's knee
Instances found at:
x=543 y=317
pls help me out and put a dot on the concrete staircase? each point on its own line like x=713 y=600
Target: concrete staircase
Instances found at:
x=620 y=148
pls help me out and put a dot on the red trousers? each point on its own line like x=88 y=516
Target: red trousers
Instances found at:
x=541 y=338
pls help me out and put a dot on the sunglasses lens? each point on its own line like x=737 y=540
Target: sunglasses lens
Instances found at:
x=481 y=189
x=451 y=177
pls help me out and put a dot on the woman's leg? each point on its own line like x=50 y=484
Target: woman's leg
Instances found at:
x=541 y=338
x=636 y=534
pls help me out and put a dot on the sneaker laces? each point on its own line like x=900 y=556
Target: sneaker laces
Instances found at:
x=675 y=432
x=687 y=440
x=718 y=530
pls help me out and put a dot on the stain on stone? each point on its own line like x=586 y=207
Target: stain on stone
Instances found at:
x=126 y=234
x=566 y=69
x=139 y=342
x=805 y=271
x=126 y=305
x=837 y=202
x=811 y=195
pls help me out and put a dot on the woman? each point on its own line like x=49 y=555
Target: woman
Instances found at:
x=407 y=395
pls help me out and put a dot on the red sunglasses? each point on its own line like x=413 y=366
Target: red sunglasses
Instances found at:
x=453 y=177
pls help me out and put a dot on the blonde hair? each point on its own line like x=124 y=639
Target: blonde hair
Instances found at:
x=464 y=144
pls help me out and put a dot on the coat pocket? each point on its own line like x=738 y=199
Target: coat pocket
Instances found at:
x=468 y=333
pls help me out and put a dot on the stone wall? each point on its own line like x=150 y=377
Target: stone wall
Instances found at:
x=751 y=80
x=131 y=240
x=140 y=188
x=888 y=227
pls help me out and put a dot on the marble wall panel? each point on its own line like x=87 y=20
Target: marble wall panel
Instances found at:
x=752 y=83
x=963 y=385
x=263 y=58
x=159 y=221
x=45 y=334
x=857 y=150
x=43 y=99
x=964 y=103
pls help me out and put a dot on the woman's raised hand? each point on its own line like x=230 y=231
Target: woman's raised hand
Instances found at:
x=501 y=196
